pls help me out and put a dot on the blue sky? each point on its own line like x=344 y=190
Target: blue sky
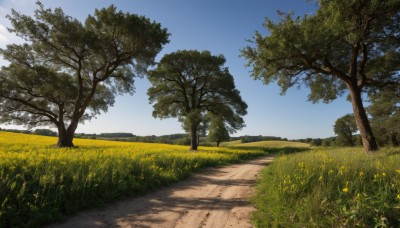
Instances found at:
x=222 y=27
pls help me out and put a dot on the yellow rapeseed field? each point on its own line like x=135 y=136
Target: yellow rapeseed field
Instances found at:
x=40 y=183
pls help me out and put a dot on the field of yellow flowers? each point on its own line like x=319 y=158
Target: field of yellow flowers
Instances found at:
x=39 y=183
x=340 y=187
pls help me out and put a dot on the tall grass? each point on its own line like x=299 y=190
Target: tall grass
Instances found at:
x=330 y=188
x=39 y=183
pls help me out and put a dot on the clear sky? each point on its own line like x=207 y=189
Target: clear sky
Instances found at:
x=222 y=27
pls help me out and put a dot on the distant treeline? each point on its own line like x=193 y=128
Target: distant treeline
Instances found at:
x=45 y=132
x=180 y=139
x=331 y=141
x=183 y=138
x=257 y=138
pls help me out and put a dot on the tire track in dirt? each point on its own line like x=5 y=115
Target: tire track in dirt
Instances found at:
x=216 y=197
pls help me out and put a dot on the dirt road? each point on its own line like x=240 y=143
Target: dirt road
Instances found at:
x=216 y=197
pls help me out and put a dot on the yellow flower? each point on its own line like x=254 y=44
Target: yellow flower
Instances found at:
x=346 y=189
x=361 y=173
x=398 y=197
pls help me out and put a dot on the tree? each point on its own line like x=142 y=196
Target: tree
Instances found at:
x=344 y=127
x=217 y=131
x=326 y=142
x=45 y=132
x=316 y=142
x=385 y=112
x=348 y=46
x=68 y=72
x=189 y=85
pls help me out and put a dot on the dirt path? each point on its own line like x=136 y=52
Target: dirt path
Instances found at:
x=216 y=197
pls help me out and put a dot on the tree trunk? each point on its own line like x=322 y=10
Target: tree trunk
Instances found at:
x=368 y=139
x=351 y=139
x=393 y=138
x=66 y=136
x=217 y=143
x=193 y=138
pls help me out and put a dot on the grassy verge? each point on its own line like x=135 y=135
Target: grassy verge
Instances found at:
x=330 y=188
x=40 y=184
x=271 y=144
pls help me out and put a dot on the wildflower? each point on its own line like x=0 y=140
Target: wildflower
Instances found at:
x=321 y=178
x=346 y=189
x=398 y=197
x=331 y=171
x=361 y=173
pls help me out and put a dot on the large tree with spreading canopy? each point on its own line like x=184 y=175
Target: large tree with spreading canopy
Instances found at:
x=346 y=46
x=68 y=71
x=189 y=85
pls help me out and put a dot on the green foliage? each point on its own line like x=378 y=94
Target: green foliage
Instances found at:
x=116 y=135
x=344 y=127
x=346 y=46
x=218 y=131
x=69 y=71
x=316 y=142
x=45 y=132
x=330 y=188
x=385 y=112
x=258 y=138
x=327 y=142
x=272 y=144
x=192 y=119
x=316 y=50
x=189 y=85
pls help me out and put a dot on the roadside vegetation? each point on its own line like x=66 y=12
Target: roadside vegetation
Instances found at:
x=272 y=144
x=39 y=183
x=330 y=187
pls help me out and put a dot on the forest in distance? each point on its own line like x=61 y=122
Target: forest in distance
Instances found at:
x=183 y=139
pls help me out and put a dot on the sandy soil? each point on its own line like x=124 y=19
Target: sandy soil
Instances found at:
x=216 y=197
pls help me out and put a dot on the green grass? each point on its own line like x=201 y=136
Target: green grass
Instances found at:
x=231 y=143
x=341 y=187
x=272 y=144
